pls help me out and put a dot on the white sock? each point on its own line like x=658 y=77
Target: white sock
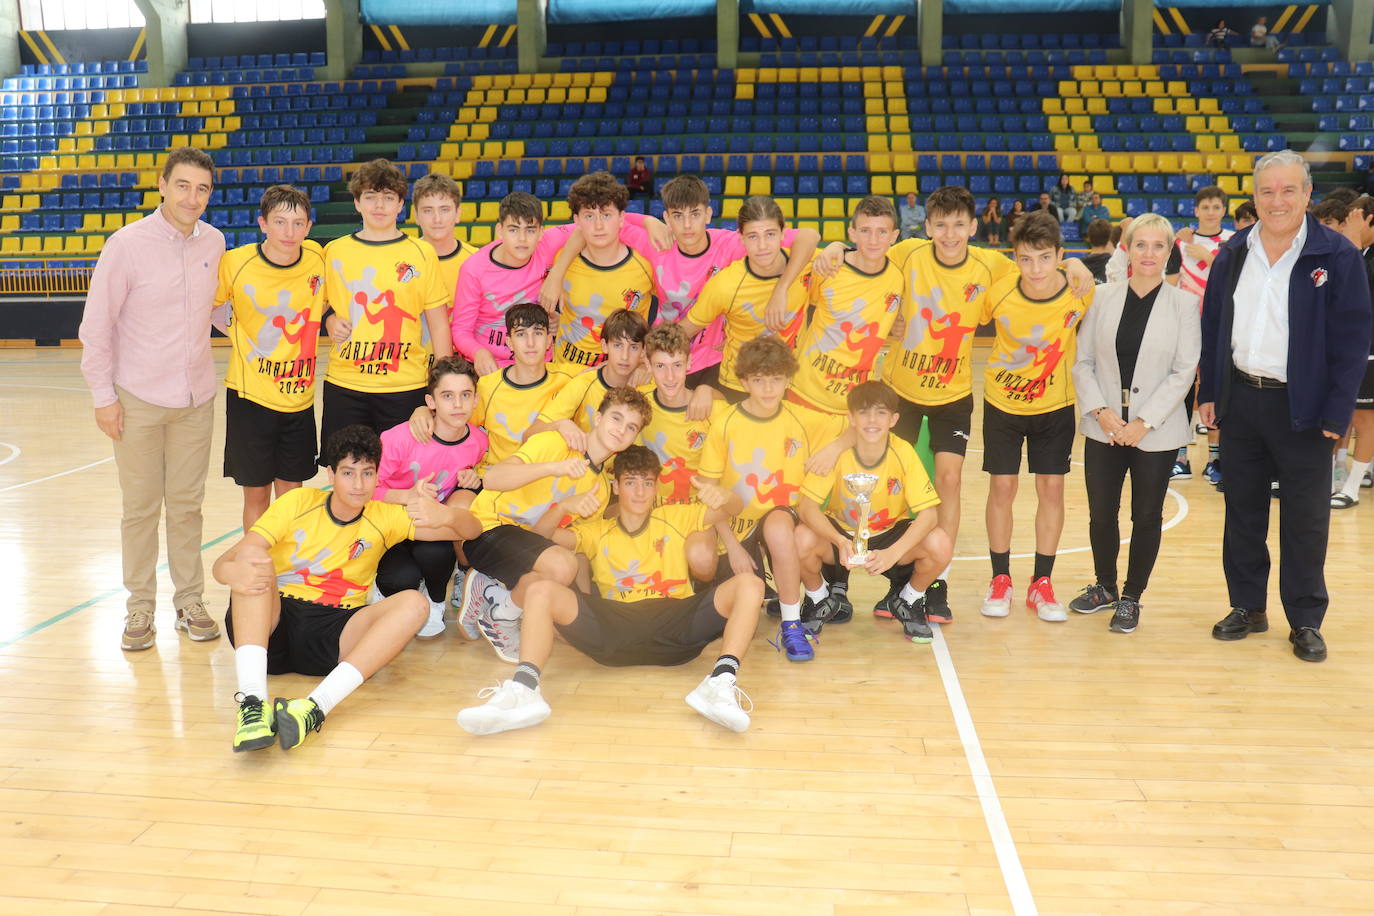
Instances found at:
x=1351 y=487
x=506 y=609
x=250 y=664
x=819 y=594
x=1342 y=455
x=790 y=611
x=337 y=685
x=911 y=595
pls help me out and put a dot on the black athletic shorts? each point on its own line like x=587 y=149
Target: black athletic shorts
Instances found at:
x=378 y=410
x=880 y=541
x=1365 y=399
x=506 y=552
x=708 y=376
x=262 y=445
x=306 y=640
x=656 y=631
x=1048 y=438
x=754 y=546
x=731 y=395
x=950 y=424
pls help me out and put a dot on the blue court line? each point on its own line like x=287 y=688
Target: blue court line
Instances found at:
x=56 y=618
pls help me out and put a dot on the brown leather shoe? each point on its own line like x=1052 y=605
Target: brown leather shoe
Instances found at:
x=197 y=622
x=139 y=631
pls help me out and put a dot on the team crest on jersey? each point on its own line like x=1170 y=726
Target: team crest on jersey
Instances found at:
x=405 y=272
x=892 y=301
x=894 y=486
x=1319 y=277
x=696 y=439
x=632 y=298
x=973 y=291
x=806 y=280
x=357 y=548
x=790 y=446
x=660 y=544
x=316 y=281
x=1071 y=319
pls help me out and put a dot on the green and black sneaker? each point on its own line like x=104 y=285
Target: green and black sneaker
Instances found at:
x=296 y=719
x=255 y=729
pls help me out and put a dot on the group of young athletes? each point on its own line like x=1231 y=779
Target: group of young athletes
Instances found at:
x=630 y=433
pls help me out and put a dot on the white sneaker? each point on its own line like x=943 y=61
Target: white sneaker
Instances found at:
x=997 y=601
x=1338 y=477
x=455 y=594
x=718 y=699
x=508 y=706
x=374 y=594
x=434 y=626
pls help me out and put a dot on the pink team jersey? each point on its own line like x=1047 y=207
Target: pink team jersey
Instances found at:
x=487 y=289
x=405 y=461
x=680 y=278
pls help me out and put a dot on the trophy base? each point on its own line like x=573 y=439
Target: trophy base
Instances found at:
x=858 y=559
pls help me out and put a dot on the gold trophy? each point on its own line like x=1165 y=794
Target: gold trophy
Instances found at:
x=861 y=485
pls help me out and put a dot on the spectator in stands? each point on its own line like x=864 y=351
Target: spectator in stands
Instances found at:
x=1285 y=342
x=1099 y=235
x=1047 y=204
x=990 y=222
x=1245 y=215
x=640 y=180
x=912 y=216
x=146 y=333
x=1066 y=199
x=1260 y=36
x=1081 y=200
x=1220 y=36
x=1094 y=210
x=1014 y=215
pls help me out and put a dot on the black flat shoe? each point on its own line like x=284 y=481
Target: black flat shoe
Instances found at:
x=1240 y=623
x=1308 y=644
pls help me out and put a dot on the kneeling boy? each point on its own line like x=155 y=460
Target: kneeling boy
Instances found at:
x=643 y=611
x=297 y=582
x=906 y=544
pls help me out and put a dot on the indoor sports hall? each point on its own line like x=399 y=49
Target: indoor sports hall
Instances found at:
x=1009 y=765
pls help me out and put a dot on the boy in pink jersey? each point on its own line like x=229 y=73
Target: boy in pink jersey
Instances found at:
x=1190 y=264
x=697 y=253
x=438 y=467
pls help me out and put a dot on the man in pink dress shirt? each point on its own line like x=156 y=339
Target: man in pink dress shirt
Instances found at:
x=146 y=333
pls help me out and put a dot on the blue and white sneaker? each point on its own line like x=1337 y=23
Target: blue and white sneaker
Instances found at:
x=480 y=593
x=1182 y=470
x=795 y=639
x=1212 y=473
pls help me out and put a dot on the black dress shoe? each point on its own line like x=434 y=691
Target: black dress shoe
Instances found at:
x=1308 y=644
x=1240 y=623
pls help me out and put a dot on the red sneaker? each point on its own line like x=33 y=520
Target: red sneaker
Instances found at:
x=997 y=603
x=1040 y=598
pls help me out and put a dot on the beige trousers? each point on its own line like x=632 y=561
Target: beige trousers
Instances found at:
x=163 y=458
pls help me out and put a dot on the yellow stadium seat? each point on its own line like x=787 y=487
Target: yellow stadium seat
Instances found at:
x=876 y=123
x=1154 y=89
x=1096 y=106
x=479 y=131
x=1219 y=124
x=881 y=185
x=808 y=208
x=1185 y=106
x=810 y=224
x=1177 y=88
x=730 y=207
x=744 y=90
x=1104 y=72
x=1089 y=88
x=461 y=171
x=880 y=163
x=1217 y=162
x=577 y=95
x=1095 y=163
x=1119 y=163
x=479 y=235
x=9 y=223
x=878 y=143
x=735 y=186
x=899 y=124
x=73 y=244
x=1242 y=163
x=1113 y=205
x=1247 y=184
x=1081 y=124
x=1052 y=106
x=31 y=244
x=1167 y=163
x=832 y=208
x=94 y=243
x=559 y=210
x=1103 y=184
x=1074 y=106
x=1228 y=143
x=904 y=163
x=896 y=107
x=1087 y=143
x=557 y=95
x=467 y=212
x=515 y=149
x=873 y=90
x=9 y=245
x=1133 y=89
x=1164 y=106
x=760 y=185
x=1068 y=89
x=1111 y=89
x=1058 y=124
x=1206 y=143
x=788 y=206
x=901 y=143
x=1071 y=162
x=1208 y=106
x=1190 y=163
x=1064 y=143
x=906 y=184
x=834 y=229
x=874 y=107
x=487 y=211
x=1230 y=184
x=1142 y=163
x=1195 y=124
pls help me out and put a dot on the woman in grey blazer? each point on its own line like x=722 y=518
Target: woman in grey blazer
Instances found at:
x=1137 y=357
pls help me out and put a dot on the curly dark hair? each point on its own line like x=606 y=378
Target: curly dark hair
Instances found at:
x=358 y=442
x=597 y=190
x=636 y=461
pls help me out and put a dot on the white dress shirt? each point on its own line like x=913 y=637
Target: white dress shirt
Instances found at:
x=1259 y=331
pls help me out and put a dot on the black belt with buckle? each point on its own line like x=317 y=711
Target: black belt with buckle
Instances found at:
x=1257 y=381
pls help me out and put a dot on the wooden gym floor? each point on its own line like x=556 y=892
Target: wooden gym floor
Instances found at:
x=1012 y=765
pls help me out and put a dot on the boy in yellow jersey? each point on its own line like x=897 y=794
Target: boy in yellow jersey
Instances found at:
x=435 y=202
x=906 y=543
x=674 y=434
x=387 y=305
x=854 y=311
x=274 y=291
x=758 y=450
x=743 y=291
x=580 y=391
x=599 y=273
x=1028 y=396
x=546 y=475
x=643 y=610
x=297 y=585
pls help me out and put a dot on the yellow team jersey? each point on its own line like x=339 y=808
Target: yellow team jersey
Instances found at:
x=854 y=312
x=324 y=559
x=274 y=325
x=383 y=289
x=678 y=442
x=903 y=488
x=590 y=294
x=763 y=460
x=505 y=409
x=579 y=397
x=524 y=506
x=1028 y=370
x=741 y=295
x=448 y=274
x=648 y=563
x=930 y=365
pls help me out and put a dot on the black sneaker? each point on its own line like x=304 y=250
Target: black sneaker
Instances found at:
x=937 y=602
x=773 y=608
x=1093 y=599
x=812 y=614
x=1126 y=617
x=883 y=609
x=913 y=618
x=843 y=607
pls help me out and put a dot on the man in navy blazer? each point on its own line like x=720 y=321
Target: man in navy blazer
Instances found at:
x=1285 y=337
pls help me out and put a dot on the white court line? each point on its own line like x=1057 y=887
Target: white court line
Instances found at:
x=29 y=483
x=6 y=384
x=14 y=453
x=1013 y=875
